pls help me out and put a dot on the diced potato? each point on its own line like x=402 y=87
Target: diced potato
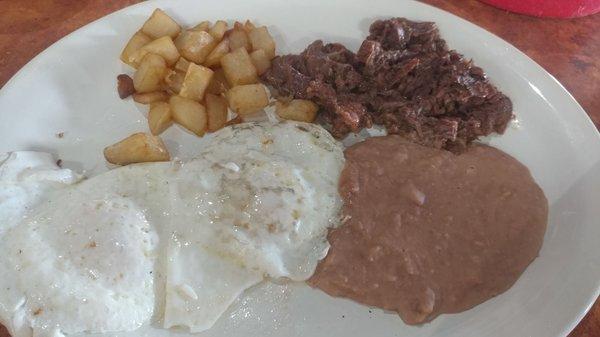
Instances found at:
x=174 y=80
x=218 y=85
x=164 y=47
x=137 y=41
x=216 y=109
x=261 y=39
x=238 y=67
x=195 y=45
x=150 y=74
x=238 y=38
x=195 y=82
x=298 y=110
x=136 y=58
x=247 y=99
x=189 y=114
x=182 y=65
x=160 y=24
x=159 y=117
x=248 y=26
x=214 y=58
x=151 y=97
x=203 y=26
x=137 y=148
x=218 y=30
x=260 y=60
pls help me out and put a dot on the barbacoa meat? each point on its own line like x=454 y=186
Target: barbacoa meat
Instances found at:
x=403 y=77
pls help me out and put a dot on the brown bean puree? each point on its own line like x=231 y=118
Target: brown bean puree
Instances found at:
x=430 y=232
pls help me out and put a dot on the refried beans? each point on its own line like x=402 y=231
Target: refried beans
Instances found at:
x=428 y=232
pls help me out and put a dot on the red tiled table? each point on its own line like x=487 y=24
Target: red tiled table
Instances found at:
x=567 y=49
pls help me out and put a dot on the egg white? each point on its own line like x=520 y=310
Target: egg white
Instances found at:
x=163 y=245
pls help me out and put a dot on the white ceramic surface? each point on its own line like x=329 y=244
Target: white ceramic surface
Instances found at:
x=71 y=88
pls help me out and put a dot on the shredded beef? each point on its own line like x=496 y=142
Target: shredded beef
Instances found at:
x=403 y=77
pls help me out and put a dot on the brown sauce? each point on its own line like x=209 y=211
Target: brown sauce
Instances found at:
x=429 y=232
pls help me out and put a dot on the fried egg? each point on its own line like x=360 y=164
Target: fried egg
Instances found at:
x=167 y=245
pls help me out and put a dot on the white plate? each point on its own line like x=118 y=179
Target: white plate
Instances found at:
x=71 y=88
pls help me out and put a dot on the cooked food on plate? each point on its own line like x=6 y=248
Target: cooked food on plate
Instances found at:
x=403 y=77
x=422 y=220
x=182 y=67
x=428 y=232
x=174 y=242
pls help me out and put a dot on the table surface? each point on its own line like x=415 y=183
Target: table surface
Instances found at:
x=568 y=49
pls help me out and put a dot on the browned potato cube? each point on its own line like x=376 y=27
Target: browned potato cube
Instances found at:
x=218 y=30
x=137 y=148
x=214 y=58
x=297 y=109
x=160 y=24
x=195 y=45
x=247 y=99
x=248 y=26
x=195 y=82
x=189 y=114
x=238 y=68
x=150 y=97
x=261 y=39
x=136 y=58
x=182 y=65
x=238 y=39
x=218 y=85
x=164 y=47
x=137 y=41
x=149 y=76
x=174 y=80
x=203 y=26
x=159 y=117
x=260 y=60
x=216 y=109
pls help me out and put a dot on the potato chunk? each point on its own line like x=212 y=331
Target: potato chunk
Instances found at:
x=218 y=30
x=195 y=82
x=203 y=26
x=261 y=39
x=151 y=97
x=298 y=110
x=174 y=81
x=216 y=109
x=238 y=39
x=182 y=65
x=160 y=24
x=238 y=68
x=218 y=85
x=137 y=41
x=261 y=61
x=214 y=58
x=136 y=58
x=159 y=117
x=189 y=114
x=150 y=74
x=164 y=47
x=247 y=99
x=248 y=26
x=137 y=148
x=195 y=45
